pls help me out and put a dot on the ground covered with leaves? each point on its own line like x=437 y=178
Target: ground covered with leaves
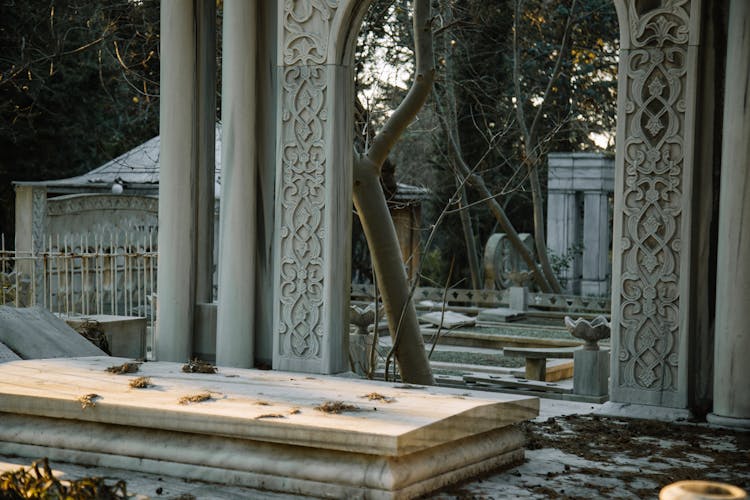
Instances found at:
x=38 y=482
x=588 y=456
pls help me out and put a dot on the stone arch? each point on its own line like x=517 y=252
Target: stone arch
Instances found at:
x=314 y=157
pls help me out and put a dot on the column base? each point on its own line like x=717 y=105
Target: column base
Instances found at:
x=731 y=422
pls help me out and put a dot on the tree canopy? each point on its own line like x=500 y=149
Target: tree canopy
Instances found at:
x=78 y=86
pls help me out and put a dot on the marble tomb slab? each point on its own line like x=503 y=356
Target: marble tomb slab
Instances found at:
x=260 y=428
x=448 y=319
x=35 y=333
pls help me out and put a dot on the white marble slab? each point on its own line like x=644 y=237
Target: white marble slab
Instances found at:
x=448 y=319
x=422 y=439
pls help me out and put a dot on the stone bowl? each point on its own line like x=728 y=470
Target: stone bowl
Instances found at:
x=591 y=332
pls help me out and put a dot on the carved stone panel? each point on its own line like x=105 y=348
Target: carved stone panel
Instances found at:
x=652 y=214
x=305 y=188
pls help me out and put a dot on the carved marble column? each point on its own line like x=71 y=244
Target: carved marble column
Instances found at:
x=655 y=161
x=31 y=231
x=732 y=339
x=313 y=219
x=183 y=115
x=236 y=310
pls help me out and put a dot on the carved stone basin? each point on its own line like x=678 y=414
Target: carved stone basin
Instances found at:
x=363 y=317
x=591 y=332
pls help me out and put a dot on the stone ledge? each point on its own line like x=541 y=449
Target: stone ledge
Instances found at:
x=426 y=438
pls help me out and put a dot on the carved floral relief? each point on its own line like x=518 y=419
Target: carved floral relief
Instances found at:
x=306 y=26
x=656 y=73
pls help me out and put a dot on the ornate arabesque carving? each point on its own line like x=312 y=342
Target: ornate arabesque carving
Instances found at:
x=652 y=215
x=38 y=217
x=82 y=203
x=306 y=27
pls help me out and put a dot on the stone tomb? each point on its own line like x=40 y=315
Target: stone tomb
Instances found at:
x=259 y=428
x=35 y=333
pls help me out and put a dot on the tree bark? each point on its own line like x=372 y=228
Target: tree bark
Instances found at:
x=377 y=224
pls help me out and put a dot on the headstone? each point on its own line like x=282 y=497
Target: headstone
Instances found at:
x=489 y=317
x=35 y=333
x=6 y=354
x=448 y=319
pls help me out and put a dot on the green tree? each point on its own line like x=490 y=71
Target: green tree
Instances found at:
x=78 y=86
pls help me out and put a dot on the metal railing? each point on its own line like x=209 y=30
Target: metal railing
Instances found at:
x=104 y=274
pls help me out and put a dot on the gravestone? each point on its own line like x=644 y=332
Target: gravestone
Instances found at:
x=35 y=333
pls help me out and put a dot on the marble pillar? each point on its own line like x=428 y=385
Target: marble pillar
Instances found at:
x=184 y=120
x=236 y=309
x=564 y=226
x=31 y=231
x=732 y=333
x=595 y=265
x=204 y=340
x=313 y=187
x=654 y=202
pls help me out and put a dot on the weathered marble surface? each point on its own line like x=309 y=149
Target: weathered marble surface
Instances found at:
x=35 y=333
x=6 y=354
x=260 y=428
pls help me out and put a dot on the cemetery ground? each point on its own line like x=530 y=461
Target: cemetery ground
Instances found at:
x=572 y=451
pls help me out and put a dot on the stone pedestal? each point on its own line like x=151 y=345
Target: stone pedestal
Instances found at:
x=732 y=337
x=591 y=372
x=359 y=352
x=126 y=335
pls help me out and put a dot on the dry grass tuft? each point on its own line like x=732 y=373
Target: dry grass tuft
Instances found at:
x=88 y=400
x=376 y=396
x=196 y=398
x=336 y=407
x=124 y=368
x=141 y=383
x=270 y=415
x=295 y=411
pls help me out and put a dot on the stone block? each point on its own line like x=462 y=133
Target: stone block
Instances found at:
x=591 y=372
x=499 y=315
x=126 y=335
x=35 y=333
x=261 y=429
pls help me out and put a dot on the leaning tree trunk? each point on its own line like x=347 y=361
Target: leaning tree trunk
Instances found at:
x=377 y=224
